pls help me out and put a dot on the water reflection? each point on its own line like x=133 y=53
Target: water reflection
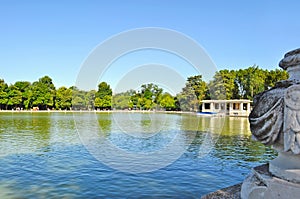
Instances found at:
x=155 y=131
x=145 y=121
x=23 y=133
x=236 y=126
x=42 y=157
x=62 y=130
x=105 y=122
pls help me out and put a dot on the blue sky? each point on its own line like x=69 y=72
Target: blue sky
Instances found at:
x=54 y=38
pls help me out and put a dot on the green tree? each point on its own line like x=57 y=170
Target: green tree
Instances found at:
x=167 y=101
x=103 y=96
x=63 y=98
x=134 y=100
x=223 y=85
x=14 y=97
x=43 y=93
x=198 y=85
x=149 y=96
x=78 y=99
x=28 y=98
x=250 y=81
x=274 y=76
x=103 y=90
x=187 y=100
x=194 y=91
x=3 y=94
x=152 y=92
x=244 y=83
x=98 y=102
x=25 y=88
x=123 y=100
x=90 y=99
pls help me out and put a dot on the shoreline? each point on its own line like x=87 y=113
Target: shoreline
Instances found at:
x=93 y=111
x=115 y=111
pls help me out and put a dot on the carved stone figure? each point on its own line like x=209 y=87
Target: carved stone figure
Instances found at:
x=275 y=118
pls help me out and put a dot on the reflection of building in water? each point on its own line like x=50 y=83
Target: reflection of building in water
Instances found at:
x=238 y=107
x=225 y=125
x=237 y=126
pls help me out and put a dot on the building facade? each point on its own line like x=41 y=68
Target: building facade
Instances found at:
x=237 y=107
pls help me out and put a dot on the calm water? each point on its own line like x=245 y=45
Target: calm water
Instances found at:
x=42 y=156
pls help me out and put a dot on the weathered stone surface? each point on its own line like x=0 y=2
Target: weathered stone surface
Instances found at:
x=266 y=118
x=232 y=192
x=290 y=59
x=286 y=166
x=262 y=184
x=275 y=118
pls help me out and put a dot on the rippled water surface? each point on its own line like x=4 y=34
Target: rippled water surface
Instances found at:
x=42 y=155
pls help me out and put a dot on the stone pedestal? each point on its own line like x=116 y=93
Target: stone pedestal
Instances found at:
x=286 y=166
x=260 y=183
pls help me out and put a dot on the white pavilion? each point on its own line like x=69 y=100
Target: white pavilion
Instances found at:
x=236 y=107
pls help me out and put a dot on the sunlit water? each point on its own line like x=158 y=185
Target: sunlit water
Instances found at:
x=42 y=156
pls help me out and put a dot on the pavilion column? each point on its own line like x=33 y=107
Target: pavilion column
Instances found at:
x=248 y=108
x=241 y=108
x=230 y=107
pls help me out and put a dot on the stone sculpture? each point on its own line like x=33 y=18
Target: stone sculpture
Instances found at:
x=275 y=120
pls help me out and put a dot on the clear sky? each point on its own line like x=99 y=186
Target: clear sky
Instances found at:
x=54 y=38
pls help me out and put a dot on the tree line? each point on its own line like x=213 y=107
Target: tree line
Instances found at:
x=226 y=84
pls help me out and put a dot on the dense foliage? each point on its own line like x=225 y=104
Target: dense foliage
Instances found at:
x=226 y=84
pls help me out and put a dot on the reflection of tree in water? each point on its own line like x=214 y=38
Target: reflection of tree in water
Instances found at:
x=239 y=149
x=196 y=138
x=145 y=121
x=24 y=132
x=105 y=121
x=41 y=128
x=242 y=148
x=233 y=143
x=156 y=122
x=63 y=129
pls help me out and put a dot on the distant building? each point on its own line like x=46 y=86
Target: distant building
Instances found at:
x=237 y=107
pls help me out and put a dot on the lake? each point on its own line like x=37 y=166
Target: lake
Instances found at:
x=123 y=155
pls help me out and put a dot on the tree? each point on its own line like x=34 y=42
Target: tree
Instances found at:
x=103 y=90
x=187 y=100
x=194 y=91
x=14 y=97
x=223 y=85
x=3 y=94
x=25 y=88
x=274 y=76
x=63 y=98
x=103 y=96
x=152 y=92
x=98 y=102
x=90 y=99
x=198 y=86
x=167 y=101
x=243 y=83
x=250 y=81
x=150 y=96
x=78 y=99
x=122 y=100
x=43 y=93
x=27 y=98
x=134 y=100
